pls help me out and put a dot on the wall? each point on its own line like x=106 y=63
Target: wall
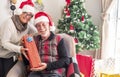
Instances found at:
x=4 y=12
x=93 y=8
x=54 y=8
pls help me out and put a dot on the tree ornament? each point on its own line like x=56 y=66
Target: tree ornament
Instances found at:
x=76 y=40
x=66 y=10
x=71 y=28
x=82 y=18
x=68 y=14
x=68 y=2
x=14 y=1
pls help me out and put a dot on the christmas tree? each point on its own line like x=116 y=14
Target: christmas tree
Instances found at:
x=77 y=23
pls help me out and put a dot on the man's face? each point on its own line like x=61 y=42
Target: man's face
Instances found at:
x=25 y=17
x=43 y=28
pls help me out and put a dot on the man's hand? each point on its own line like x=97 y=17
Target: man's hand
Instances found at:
x=42 y=67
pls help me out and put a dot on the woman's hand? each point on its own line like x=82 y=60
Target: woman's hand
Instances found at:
x=42 y=67
x=23 y=51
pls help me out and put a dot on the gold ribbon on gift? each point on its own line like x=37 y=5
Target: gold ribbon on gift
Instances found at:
x=82 y=75
x=109 y=75
x=39 y=1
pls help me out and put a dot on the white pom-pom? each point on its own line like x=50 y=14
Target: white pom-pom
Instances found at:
x=52 y=28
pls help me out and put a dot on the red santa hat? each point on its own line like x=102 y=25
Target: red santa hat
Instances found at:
x=71 y=28
x=26 y=6
x=44 y=17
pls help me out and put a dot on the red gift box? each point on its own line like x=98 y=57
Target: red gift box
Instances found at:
x=32 y=52
x=86 y=65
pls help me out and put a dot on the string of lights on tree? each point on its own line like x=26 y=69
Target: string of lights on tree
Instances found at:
x=77 y=23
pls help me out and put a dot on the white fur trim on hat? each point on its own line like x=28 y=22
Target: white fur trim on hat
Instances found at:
x=42 y=18
x=18 y=11
x=28 y=8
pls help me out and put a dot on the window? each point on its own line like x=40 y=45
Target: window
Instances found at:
x=117 y=40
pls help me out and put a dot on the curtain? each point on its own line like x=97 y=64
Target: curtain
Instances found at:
x=105 y=42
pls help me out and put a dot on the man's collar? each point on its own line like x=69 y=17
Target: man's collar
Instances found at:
x=52 y=35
